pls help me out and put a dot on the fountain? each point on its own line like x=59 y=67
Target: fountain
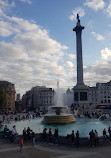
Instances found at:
x=58 y=114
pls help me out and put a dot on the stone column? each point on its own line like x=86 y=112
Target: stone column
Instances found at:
x=80 y=90
x=78 y=29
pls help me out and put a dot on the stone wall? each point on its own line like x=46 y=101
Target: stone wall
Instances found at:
x=63 y=140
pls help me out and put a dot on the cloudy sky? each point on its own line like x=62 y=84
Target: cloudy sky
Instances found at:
x=38 y=45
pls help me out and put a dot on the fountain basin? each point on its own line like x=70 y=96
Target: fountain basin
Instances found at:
x=58 y=115
x=59 y=119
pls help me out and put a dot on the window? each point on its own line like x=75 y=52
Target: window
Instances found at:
x=83 y=96
x=76 y=96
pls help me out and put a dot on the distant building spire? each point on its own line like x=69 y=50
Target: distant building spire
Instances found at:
x=57 y=84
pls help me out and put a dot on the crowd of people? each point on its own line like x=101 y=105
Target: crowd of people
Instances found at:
x=53 y=137
x=49 y=137
x=28 y=134
x=75 y=137
x=10 y=134
x=94 y=138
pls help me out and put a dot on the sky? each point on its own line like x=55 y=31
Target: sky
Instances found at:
x=38 y=45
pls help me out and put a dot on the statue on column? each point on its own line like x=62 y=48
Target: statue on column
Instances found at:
x=78 y=22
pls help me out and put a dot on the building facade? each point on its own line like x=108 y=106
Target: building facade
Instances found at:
x=100 y=94
x=25 y=102
x=7 y=96
x=37 y=97
x=42 y=97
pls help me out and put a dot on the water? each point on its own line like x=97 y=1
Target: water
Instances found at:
x=84 y=125
x=58 y=97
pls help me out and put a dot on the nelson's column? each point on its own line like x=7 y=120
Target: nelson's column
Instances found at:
x=81 y=91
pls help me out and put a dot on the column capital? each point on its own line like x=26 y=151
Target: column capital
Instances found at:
x=78 y=28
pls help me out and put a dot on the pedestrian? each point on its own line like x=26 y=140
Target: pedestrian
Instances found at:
x=77 y=138
x=73 y=137
x=6 y=131
x=92 y=138
x=28 y=133
x=105 y=134
x=50 y=135
x=33 y=139
x=44 y=134
x=109 y=131
x=56 y=136
x=96 y=139
x=21 y=144
x=24 y=134
x=13 y=133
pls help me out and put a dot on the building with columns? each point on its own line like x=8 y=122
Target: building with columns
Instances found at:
x=81 y=91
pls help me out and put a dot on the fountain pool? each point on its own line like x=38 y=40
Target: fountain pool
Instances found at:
x=84 y=125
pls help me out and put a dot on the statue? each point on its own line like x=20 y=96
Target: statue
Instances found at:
x=77 y=16
x=78 y=22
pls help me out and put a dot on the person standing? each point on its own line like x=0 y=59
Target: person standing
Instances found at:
x=105 y=134
x=44 y=134
x=96 y=139
x=24 y=134
x=92 y=138
x=77 y=138
x=109 y=131
x=33 y=139
x=28 y=133
x=21 y=144
x=50 y=135
x=73 y=137
x=56 y=136
x=13 y=133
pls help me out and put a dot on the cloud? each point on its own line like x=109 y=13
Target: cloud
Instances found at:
x=108 y=9
x=97 y=36
x=99 y=72
x=106 y=54
x=21 y=24
x=90 y=24
x=76 y=11
x=5 y=5
x=26 y=1
x=95 y=4
x=71 y=56
x=29 y=57
x=69 y=64
x=39 y=41
x=10 y=51
x=7 y=29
